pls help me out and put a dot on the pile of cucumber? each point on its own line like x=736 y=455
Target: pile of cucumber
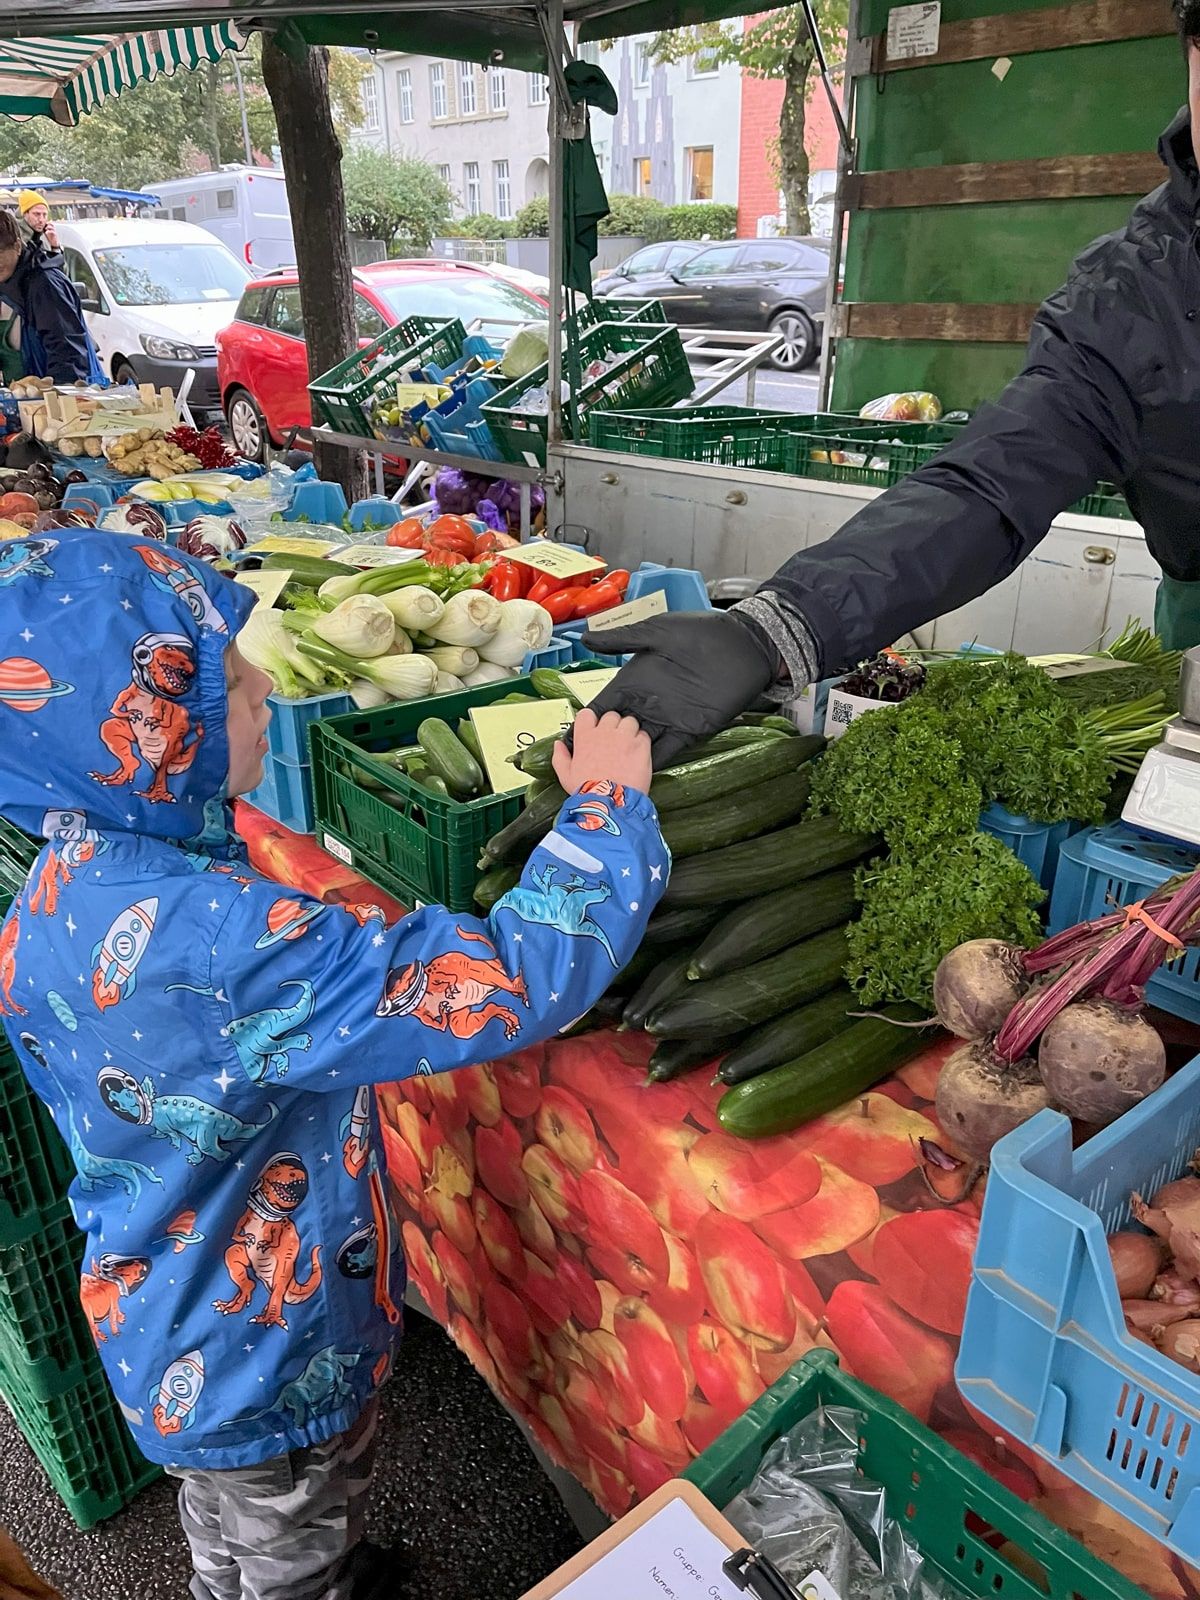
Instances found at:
x=744 y=957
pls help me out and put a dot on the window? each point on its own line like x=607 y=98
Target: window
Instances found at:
x=677 y=254
x=439 y=104
x=777 y=256
x=443 y=173
x=405 y=92
x=641 y=66
x=644 y=262
x=253 y=306
x=703 y=64
x=170 y=274
x=718 y=262
x=82 y=276
x=699 y=173
x=367 y=320
x=467 y=103
x=538 y=92
x=641 y=175
x=472 y=194
x=179 y=213
x=369 y=89
x=497 y=89
x=467 y=296
x=503 y=187
x=226 y=199
x=285 y=315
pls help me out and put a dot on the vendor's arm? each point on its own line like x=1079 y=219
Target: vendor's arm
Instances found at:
x=362 y=1003
x=53 y=309
x=940 y=538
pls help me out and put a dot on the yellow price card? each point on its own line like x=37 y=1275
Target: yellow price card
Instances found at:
x=504 y=730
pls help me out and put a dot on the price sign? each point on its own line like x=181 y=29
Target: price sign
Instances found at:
x=914 y=31
x=587 y=685
x=504 y=730
x=646 y=605
x=554 y=559
x=1065 y=666
x=278 y=544
x=268 y=586
x=376 y=555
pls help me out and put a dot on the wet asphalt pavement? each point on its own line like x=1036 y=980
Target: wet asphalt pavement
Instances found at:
x=456 y=1487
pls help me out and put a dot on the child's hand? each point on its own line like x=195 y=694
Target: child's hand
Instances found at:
x=613 y=747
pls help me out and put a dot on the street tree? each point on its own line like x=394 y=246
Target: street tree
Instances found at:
x=775 y=46
x=400 y=199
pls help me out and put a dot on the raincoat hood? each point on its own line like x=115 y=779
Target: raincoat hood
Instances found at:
x=1179 y=158
x=112 y=686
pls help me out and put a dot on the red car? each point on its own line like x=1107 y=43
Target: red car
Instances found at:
x=262 y=359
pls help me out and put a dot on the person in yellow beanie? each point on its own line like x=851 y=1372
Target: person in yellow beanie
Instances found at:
x=35 y=213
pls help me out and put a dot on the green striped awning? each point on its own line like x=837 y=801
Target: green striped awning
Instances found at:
x=65 y=77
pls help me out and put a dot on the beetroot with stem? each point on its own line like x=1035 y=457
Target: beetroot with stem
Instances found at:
x=976 y=986
x=981 y=1098
x=1098 y=1059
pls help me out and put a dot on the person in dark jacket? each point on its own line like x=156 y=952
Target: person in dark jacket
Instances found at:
x=1110 y=392
x=54 y=339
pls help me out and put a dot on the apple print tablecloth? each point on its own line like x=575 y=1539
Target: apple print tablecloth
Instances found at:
x=628 y=1278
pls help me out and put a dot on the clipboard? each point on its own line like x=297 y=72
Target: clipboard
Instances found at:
x=603 y=1547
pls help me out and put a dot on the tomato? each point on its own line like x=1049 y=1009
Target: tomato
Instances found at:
x=490 y=542
x=445 y=558
x=408 y=534
x=444 y=534
x=600 y=597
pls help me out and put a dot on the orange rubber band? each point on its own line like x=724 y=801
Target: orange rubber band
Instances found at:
x=1138 y=913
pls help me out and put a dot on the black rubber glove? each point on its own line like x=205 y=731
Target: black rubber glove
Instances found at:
x=692 y=673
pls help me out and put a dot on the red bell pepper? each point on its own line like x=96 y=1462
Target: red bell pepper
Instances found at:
x=506 y=580
x=619 y=576
x=600 y=597
x=562 y=605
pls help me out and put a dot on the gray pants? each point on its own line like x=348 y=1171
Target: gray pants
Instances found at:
x=282 y=1530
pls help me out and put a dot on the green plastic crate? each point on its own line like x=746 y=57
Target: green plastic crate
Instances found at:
x=17 y=847
x=35 y=1165
x=881 y=452
x=429 y=845
x=955 y=1514
x=728 y=436
x=593 y=311
x=1105 y=500
x=343 y=396
x=653 y=371
x=44 y=1334
x=83 y=1444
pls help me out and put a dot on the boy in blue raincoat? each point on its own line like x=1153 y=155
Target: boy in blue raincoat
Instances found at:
x=206 y=1040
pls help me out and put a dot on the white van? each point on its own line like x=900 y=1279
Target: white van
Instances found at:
x=154 y=295
x=245 y=207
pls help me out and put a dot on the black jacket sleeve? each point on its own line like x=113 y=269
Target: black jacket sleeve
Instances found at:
x=52 y=306
x=959 y=525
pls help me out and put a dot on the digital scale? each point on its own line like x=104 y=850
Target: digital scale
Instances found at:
x=1165 y=797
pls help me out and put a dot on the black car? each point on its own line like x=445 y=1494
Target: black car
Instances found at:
x=747 y=285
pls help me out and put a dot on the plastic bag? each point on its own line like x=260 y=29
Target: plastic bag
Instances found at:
x=528 y=348
x=809 y=1510
x=913 y=406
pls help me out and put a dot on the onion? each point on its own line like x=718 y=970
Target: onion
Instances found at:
x=1182 y=1344
x=1174 y=1289
x=975 y=987
x=1136 y=1259
x=1098 y=1060
x=1151 y=1314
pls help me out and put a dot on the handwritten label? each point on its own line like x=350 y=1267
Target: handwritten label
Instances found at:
x=554 y=559
x=279 y=544
x=503 y=730
x=376 y=555
x=646 y=605
x=1067 y=666
x=914 y=31
x=587 y=685
x=267 y=585
x=670 y=1557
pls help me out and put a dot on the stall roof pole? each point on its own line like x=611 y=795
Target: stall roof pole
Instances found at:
x=550 y=15
x=846 y=165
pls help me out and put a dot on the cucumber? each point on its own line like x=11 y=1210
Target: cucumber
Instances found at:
x=604 y=1014
x=773 y=922
x=790 y=1035
x=549 y=684
x=515 y=841
x=734 y=738
x=676 y=927
x=450 y=759
x=769 y=719
x=536 y=760
x=419 y=772
x=729 y=771
x=836 y=1071
x=495 y=883
x=673 y=1057
x=756 y=866
x=666 y=979
x=466 y=732
x=755 y=994
x=634 y=973
x=311 y=571
x=697 y=829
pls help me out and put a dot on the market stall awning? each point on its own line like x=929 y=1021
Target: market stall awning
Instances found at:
x=65 y=76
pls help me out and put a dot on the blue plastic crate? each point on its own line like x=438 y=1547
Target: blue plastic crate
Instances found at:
x=377 y=510
x=556 y=654
x=285 y=793
x=316 y=501
x=573 y=633
x=1037 y=844
x=1102 y=868
x=684 y=588
x=178 y=513
x=1044 y=1350
x=287 y=731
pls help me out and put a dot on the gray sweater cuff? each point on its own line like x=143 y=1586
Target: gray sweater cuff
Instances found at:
x=790 y=634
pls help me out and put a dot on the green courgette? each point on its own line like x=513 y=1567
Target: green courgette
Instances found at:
x=756 y=866
x=742 y=815
x=774 y=921
x=466 y=732
x=729 y=771
x=754 y=994
x=311 y=571
x=667 y=978
x=679 y=927
x=494 y=884
x=793 y=1034
x=549 y=684
x=449 y=757
x=844 y=1066
x=515 y=841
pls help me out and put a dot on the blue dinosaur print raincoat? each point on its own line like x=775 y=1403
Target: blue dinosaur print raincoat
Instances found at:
x=206 y=1039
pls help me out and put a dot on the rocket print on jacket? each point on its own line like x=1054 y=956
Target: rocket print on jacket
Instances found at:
x=174 y=1397
x=147 y=723
x=266 y=1245
x=115 y=959
x=167 y=572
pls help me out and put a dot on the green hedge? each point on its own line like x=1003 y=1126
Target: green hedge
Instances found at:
x=483 y=226
x=637 y=217
x=703 y=219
